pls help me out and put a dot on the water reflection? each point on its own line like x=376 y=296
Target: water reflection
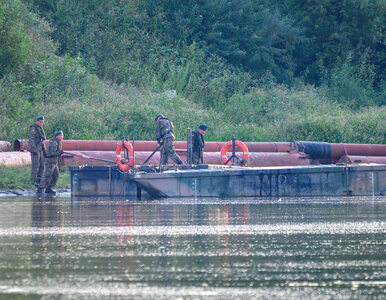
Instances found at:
x=104 y=248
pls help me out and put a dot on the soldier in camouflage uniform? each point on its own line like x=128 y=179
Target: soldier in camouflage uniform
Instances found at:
x=165 y=134
x=198 y=144
x=36 y=137
x=51 y=172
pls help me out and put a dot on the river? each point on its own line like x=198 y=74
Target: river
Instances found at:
x=290 y=248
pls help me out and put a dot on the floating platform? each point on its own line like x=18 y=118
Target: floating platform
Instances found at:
x=226 y=182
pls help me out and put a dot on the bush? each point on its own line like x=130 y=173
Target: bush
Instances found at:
x=353 y=83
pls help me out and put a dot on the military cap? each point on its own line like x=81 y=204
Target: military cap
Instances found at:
x=203 y=127
x=40 y=118
x=59 y=132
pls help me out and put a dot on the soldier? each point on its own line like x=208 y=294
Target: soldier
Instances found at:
x=165 y=134
x=36 y=139
x=51 y=172
x=198 y=143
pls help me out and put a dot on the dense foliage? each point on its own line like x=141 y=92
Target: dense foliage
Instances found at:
x=255 y=69
x=337 y=29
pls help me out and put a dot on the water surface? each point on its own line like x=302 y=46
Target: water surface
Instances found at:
x=87 y=248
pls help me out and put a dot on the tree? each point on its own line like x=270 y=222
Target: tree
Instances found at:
x=246 y=33
x=337 y=28
x=15 y=45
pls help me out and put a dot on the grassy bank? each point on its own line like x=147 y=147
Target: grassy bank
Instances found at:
x=276 y=114
x=19 y=178
x=233 y=101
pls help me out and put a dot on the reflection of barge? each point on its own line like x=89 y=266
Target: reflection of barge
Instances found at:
x=220 y=181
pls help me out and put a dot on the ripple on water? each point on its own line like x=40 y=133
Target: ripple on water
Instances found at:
x=192 y=249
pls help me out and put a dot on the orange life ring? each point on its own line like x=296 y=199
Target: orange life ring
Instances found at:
x=228 y=146
x=121 y=165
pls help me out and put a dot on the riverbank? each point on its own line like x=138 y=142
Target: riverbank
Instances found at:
x=17 y=180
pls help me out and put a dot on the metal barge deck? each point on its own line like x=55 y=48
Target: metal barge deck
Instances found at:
x=225 y=182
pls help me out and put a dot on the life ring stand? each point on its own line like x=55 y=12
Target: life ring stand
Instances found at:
x=125 y=166
x=228 y=146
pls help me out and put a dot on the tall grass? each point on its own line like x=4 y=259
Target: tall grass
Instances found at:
x=19 y=178
x=277 y=114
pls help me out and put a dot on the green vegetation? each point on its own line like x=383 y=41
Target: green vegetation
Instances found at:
x=19 y=178
x=257 y=70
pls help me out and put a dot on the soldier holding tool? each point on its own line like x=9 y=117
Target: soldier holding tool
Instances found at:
x=51 y=171
x=165 y=135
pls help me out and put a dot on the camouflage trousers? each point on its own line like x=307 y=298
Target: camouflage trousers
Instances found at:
x=168 y=151
x=51 y=173
x=197 y=158
x=37 y=166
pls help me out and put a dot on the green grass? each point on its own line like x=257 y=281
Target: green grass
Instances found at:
x=19 y=178
x=278 y=114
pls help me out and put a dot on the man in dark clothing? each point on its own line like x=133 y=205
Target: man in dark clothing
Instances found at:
x=51 y=171
x=36 y=137
x=165 y=134
x=198 y=144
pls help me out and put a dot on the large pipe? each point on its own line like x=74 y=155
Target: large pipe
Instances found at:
x=15 y=159
x=315 y=150
x=350 y=159
x=338 y=150
x=5 y=146
x=319 y=150
x=256 y=159
x=104 y=145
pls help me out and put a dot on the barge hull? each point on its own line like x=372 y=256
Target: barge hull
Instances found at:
x=103 y=181
x=304 y=181
x=220 y=182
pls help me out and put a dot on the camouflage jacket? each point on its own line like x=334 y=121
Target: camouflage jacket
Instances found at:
x=198 y=142
x=164 y=129
x=36 y=138
x=54 y=149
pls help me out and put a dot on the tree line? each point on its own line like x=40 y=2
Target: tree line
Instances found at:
x=285 y=41
x=321 y=60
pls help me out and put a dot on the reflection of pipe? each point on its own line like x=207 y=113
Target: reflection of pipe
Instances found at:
x=103 y=145
x=5 y=146
x=350 y=159
x=255 y=159
x=15 y=159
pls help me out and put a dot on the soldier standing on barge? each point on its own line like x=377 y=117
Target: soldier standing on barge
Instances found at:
x=36 y=138
x=198 y=142
x=51 y=172
x=165 y=134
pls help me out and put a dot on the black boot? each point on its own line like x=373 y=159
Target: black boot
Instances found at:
x=39 y=191
x=50 y=191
